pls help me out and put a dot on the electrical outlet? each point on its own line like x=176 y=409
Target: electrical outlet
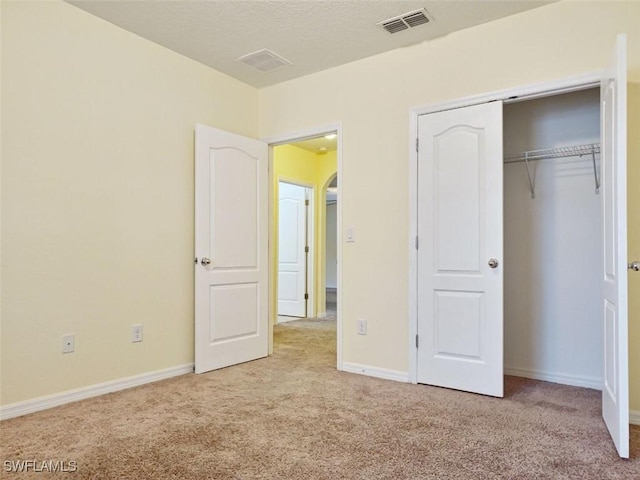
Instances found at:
x=68 y=343
x=136 y=333
x=362 y=327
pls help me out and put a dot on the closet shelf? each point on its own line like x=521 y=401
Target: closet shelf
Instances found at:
x=561 y=152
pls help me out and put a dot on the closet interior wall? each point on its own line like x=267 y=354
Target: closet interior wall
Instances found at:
x=552 y=243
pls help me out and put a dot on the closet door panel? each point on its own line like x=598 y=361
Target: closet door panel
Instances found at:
x=460 y=187
x=458 y=325
x=613 y=105
x=457 y=199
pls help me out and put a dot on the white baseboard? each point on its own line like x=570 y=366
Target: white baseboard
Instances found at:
x=286 y=319
x=385 y=373
x=573 y=380
x=322 y=314
x=42 y=403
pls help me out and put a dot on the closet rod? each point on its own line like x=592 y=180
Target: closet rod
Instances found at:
x=560 y=152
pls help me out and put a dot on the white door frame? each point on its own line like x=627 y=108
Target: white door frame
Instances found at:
x=324 y=207
x=511 y=95
x=311 y=235
x=298 y=136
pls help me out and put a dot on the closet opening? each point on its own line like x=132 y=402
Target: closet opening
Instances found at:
x=503 y=283
x=552 y=239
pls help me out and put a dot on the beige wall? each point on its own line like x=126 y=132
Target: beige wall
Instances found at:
x=97 y=196
x=372 y=98
x=97 y=177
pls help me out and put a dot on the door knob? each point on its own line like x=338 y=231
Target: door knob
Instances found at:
x=635 y=266
x=493 y=263
x=205 y=261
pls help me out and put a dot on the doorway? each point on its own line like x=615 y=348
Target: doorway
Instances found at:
x=331 y=248
x=310 y=159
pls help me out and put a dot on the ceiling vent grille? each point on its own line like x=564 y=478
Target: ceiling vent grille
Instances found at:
x=264 y=60
x=405 y=21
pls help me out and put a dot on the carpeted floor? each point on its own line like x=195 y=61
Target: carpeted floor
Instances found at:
x=293 y=416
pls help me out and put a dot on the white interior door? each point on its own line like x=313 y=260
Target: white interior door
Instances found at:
x=292 y=246
x=231 y=319
x=460 y=326
x=615 y=391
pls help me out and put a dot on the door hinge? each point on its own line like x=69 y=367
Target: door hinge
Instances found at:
x=417 y=144
x=416 y=341
x=306 y=202
x=417 y=242
x=306 y=296
x=306 y=249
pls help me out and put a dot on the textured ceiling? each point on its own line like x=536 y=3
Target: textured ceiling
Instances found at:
x=313 y=34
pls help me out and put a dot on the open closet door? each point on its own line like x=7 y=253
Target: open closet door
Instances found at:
x=460 y=274
x=615 y=391
x=231 y=324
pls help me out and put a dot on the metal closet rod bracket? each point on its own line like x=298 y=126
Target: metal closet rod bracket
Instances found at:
x=532 y=182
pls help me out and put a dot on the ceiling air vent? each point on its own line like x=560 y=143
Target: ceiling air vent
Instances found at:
x=393 y=26
x=264 y=60
x=405 y=21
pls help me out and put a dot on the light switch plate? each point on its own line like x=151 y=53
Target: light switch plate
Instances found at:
x=362 y=327
x=351 y=234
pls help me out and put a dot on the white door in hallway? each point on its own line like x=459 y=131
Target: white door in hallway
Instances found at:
x=231 y=198
x=460 y=324
x=292 y=249
x=613 y=111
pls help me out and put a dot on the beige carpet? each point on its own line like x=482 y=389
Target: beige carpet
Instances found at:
x=293 y=416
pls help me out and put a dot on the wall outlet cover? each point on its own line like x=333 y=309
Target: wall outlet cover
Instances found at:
x=68 y=343
x=136 y=333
